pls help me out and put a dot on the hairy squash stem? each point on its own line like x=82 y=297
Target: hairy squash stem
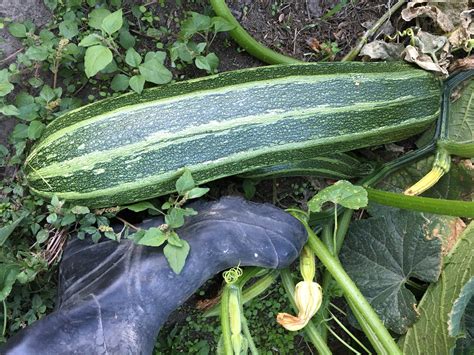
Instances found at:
x=225 y=322
x=246 y=41
x=441 y=166
x=351 y=291
x=368 y=331
x=310 y=329
x=246 y=331
x=423 y=204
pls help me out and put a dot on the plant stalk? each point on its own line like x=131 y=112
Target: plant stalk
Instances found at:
x=246 y=41
x=422 y=204
x=368 y=331
x=225 y=322
x=351 y=291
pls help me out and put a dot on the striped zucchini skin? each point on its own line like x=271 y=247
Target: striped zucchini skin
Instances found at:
x=134 y=147
x=332 y=165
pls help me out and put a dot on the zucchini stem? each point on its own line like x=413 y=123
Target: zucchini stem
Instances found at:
x=441 y=166
x=246 y=41
x=422 y=204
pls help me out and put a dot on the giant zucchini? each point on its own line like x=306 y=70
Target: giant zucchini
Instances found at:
x=133 y=147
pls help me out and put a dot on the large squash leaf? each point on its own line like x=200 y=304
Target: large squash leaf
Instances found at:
x=436 y=308
x=381 y=253
x=461 y=117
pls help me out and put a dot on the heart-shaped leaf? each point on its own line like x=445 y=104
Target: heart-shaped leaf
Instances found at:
x=382 y=253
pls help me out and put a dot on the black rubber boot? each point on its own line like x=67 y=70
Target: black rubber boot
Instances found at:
x=113 y=298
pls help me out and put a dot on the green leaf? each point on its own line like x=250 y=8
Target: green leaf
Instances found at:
x=174 y=239
x=96 y=59
x=9 y=110
x=17 y=30
x=197 y=192
x=342 y=193
x=132 y=58
x=55 y=201
x=96 y=17
x=248 y=185
x=194 y=24
x=155 y=72
x=7 y=230
x=197 y=48
x=53 y=217
x=37 y=53
x=119 y=82
x=47 y=93
x=68 y=29
x=180 y=50
x=137 y=82
x=461 y=117
x=381 y=253
x=8 y=274
x=90 y=40
x=68 y=219
x=208 y=63
x=112 y=22
x=175 y=217
x=42 y=236
x=201 y=63
x=35 y=129
x=431 y=331
x=20 y=131
x=159 y=56
x=176 y=256
x=51 y=4
x=185 y=183
x=5 y=86
x=221 y=24
x=126 y=39
x=80 y=210
x=140 y=206
x=153 y=237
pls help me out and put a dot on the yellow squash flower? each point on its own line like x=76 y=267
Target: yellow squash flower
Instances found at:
x=308 y=298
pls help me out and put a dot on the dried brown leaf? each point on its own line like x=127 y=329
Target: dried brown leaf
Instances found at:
x=412 y=55
x=382 y=50
x=439 y=17
x=461 y=35
x=314 y=44
x=456 y=226
x=428 y=43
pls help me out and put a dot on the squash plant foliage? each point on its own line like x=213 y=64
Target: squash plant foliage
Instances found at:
x=401 y=261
